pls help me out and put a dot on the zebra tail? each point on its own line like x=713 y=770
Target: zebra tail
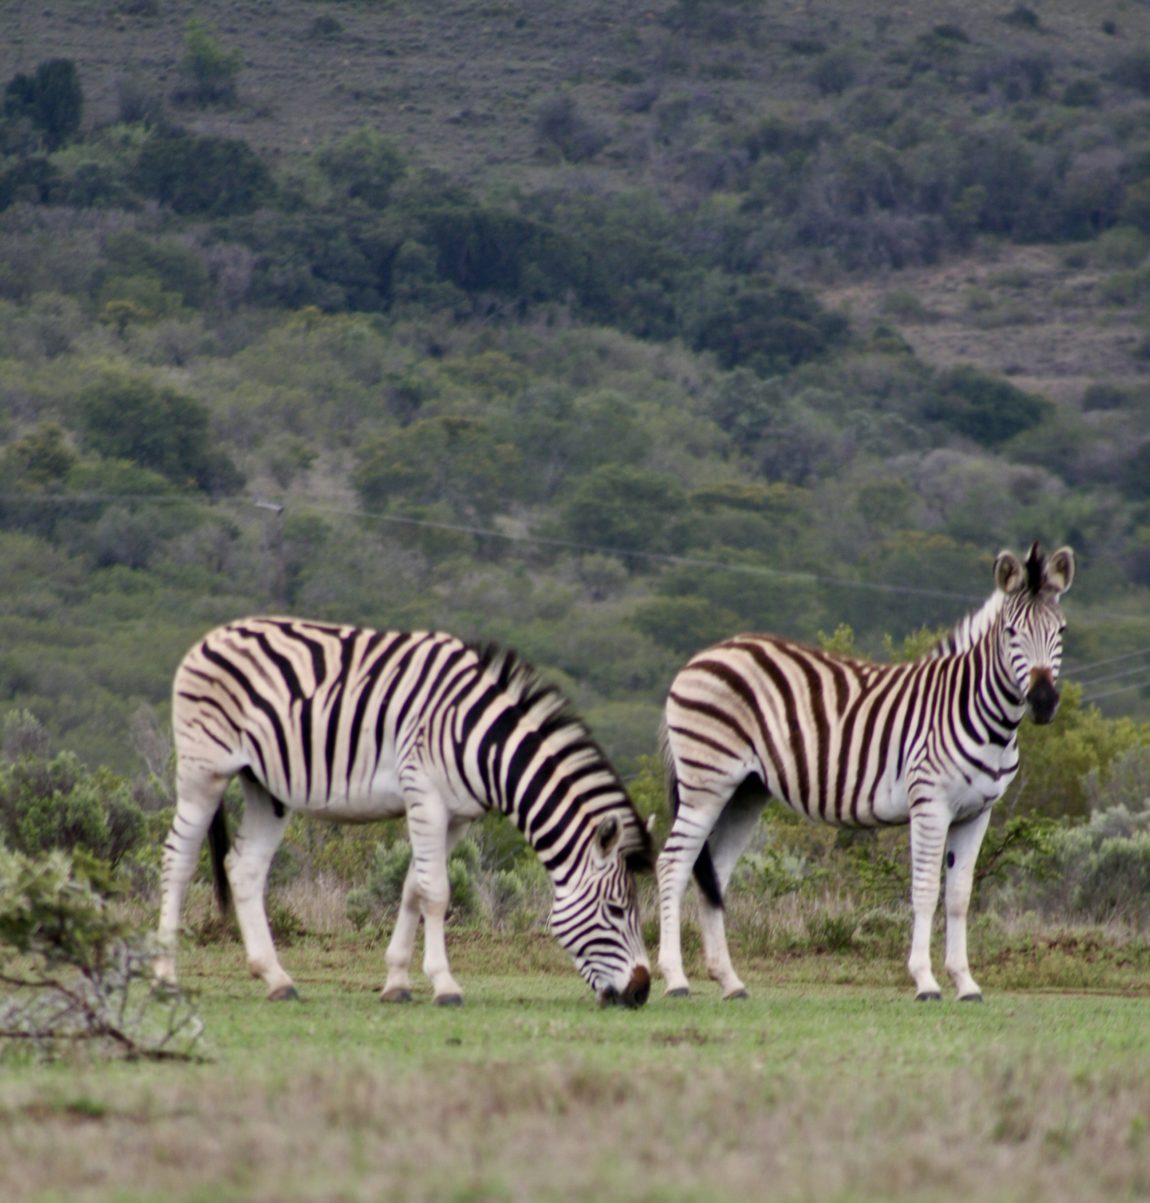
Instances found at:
x=704 y=870
x=219 y=843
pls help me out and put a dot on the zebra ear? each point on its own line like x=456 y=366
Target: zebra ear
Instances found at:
x=1059 y=573
x=607 y=834
x=1009 y=574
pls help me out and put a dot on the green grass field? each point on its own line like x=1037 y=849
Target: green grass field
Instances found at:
x=813 y=1089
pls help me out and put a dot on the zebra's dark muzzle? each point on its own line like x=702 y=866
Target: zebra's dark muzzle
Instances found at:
x=1043 y=697
x=635 y=994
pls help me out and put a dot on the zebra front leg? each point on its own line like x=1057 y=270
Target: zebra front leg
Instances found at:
x=962 y=844
x=259 y=835
x=927 y=836
x=401 y=946
x=432 y=836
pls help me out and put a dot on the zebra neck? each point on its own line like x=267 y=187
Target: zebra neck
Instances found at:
x=553 y=785
x=996 y=695
x=973 y=628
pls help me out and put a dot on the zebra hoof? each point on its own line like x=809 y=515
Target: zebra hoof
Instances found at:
x=970 y=998
x=739 y=995
x=449 y=1000
x=396 y=995
x=284 y=994
x=928 y=996
x=678 y=992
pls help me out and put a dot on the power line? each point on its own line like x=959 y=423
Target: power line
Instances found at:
x=1091 y=698
x=1088 y=668
x=809 y=578
x=1139 y=670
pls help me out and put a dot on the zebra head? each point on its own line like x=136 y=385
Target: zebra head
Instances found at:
x=1031 y=624
x=595 y=915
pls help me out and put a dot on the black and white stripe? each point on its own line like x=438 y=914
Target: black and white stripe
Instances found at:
x=931 y=743
x=351 y=724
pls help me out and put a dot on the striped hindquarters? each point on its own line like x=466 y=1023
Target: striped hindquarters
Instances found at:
x=828 y=735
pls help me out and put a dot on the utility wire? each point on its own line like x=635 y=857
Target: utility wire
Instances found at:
x=526 y=538
x=509 y=537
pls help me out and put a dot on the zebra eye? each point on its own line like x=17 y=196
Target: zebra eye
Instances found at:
x=615 y=911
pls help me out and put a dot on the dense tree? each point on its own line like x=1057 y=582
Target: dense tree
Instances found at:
x=202 y=175
x=130 y=418
x=51 y=100
x=985 y=408
x=626 y=509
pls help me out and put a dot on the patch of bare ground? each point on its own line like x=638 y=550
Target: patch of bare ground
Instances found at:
x=1027 y=312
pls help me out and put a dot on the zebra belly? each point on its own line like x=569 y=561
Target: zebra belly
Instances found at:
x=381 y=799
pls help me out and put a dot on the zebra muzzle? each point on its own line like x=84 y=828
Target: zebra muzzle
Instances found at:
x=1043 y=696
x=634 y=995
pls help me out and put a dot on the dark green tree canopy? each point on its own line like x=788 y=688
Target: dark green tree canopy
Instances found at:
x=130 y=418
x=51 y=100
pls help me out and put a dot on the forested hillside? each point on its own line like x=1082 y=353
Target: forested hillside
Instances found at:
x=599 y=332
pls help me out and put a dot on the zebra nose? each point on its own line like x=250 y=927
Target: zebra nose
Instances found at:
x=1043 y=696
x=638 y=987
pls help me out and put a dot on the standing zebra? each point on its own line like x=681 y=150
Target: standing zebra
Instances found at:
x=351 y=724
x=931 y=743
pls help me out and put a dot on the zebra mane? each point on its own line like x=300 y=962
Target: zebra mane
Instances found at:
x=551 y=715
x=970 y=629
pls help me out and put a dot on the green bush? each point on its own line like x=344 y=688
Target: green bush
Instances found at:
x=51 y=100
x=1097 y=872
x=209 y=176
x=376 y=901
x=82 y=975
x=210 y=71
x=984 y=408
x=128 y=417
x=627 y=508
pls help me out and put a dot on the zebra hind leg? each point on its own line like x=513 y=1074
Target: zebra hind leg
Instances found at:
x=196 y=806
x=726 y=843
x=684 y=843
x=257 y=839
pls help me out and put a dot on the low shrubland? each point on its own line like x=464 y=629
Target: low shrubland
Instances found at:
x=1048 y=887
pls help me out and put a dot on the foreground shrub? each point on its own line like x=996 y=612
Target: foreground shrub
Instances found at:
x=77 y=973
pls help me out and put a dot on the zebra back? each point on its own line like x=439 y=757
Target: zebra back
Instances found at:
x=318 y=713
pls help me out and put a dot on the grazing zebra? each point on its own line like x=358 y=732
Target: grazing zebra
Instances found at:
x=350 y=724
x=931 y=743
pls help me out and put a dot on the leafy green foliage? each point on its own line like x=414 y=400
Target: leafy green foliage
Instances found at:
x=457 y=460
x=210 y=71
x=208 y=176
x=1057 y=759
x=80 y=974
x=127 y=417
x=984 y=408
x=493 y=877
x=51 y=100
x=624 y=508
x=49 y=803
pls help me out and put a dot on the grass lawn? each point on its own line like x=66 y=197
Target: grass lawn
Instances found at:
x=813 y=1089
